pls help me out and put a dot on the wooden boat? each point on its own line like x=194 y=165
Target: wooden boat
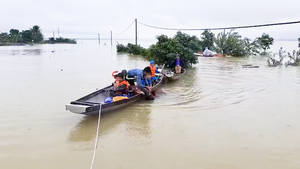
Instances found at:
x=249 y=66
x=171 y=75
x=198 y=54
x=90 y=104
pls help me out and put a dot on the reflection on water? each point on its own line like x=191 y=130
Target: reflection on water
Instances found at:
x=22 y=52
x=183 y=91
x=32 y=51
x=134 y=121
x=222 y=82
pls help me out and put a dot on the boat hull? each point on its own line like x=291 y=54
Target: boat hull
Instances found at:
x=90 y=104
x=173 y=76
x=106 y=108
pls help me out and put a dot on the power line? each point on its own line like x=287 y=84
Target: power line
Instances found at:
x=125 y=29
x=233 y=27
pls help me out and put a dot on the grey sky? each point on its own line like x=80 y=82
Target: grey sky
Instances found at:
x=86 y=18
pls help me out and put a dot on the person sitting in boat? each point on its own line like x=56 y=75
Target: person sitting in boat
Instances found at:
x=125 y=76
x=122 y=85
x=178 y=64
x=115 y=76
x=124 y=73
x=143 y=78
x=153 y=71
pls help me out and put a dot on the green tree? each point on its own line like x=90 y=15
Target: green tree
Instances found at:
x=14 y=35
x=231 y=43
x=165 y=50
x=37 y=36
x=121 y=48
x=207 y=39
x=252 y=48
x=27 y=36
x=132 y=49
x=4 y=38
x=265 y=41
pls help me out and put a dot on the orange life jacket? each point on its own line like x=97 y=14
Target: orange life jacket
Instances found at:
x=153 y=70
x=124 y=82
x=116 y=81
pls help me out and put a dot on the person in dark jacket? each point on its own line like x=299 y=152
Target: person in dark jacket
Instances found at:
x=178 y=64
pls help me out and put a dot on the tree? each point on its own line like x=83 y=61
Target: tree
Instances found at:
x=15 y=35
x=165 y=50
x=37 y=36
x=231 y=43
x=207 y=39
x=265 y=41
x=252 y=48
x=27 y=36
x=121 y=48
x=4 y=38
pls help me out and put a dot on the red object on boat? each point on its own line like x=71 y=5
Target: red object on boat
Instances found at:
x=115 y=73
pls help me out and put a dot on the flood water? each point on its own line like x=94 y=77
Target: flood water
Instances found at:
x=218 y=116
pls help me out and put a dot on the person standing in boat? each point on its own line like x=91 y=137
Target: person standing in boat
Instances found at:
x=153 y=71
x=178 y=64
x=143 y=78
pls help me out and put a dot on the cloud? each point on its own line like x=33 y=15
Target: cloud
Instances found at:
x=88 y=18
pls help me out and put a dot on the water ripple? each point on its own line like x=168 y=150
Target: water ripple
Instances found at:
x=219 y=83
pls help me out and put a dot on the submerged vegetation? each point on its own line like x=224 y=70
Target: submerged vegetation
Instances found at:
x=265 y=41
x=60 y=40
x=132 y=49
x=230 y=43
x=284 y=58
x=165 y=50
x=32 y=35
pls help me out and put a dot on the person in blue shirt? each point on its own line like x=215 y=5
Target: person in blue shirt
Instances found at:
x=143 y=79
x=178 y=64
x=153 y=71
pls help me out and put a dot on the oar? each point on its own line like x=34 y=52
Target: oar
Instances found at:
x=162 y=69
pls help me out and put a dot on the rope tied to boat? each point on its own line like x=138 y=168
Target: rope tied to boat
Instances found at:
x=96 y=140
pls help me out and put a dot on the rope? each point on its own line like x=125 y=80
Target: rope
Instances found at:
x=234 y=27
x=125 y=29
x=96 y=141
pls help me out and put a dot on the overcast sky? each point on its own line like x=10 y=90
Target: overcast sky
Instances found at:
x=87 y=18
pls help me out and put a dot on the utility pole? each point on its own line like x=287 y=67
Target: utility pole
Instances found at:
x=135 y=31
x=53 y=37
x=99 y=38
x=58 y=32
x=111 y=38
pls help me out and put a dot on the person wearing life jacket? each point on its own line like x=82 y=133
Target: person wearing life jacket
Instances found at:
x=114 y=75
x=122 y=85
x=153 y=71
